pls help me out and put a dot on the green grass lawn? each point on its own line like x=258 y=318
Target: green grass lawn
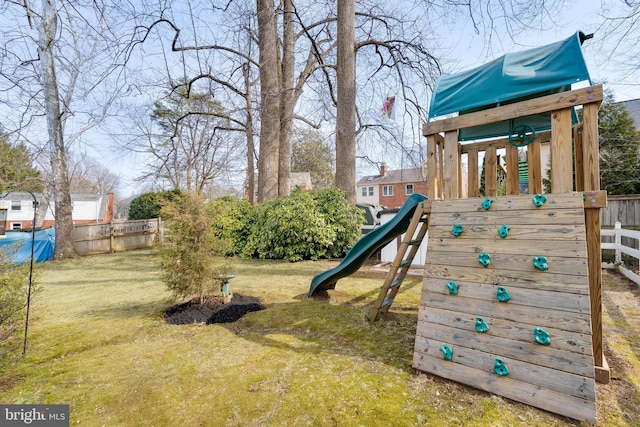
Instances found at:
x=97 y=341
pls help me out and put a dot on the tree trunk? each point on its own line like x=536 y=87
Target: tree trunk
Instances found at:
x=251 y=172
x=269 y=102
x=58 y=155
x=346 y=111
x=286 y=116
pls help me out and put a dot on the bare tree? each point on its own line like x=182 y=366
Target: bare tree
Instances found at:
x=269 y=102
x=192 y=148
x=59 y=66
x=58 y=152
x=619 y=36
x=346 y=114
x=87 y=176
x=287 y=100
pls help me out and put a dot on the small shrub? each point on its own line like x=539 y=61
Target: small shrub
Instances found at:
x=193 y=255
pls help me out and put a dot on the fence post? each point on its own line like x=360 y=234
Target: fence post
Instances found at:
x=112 y=238
x=618 y=242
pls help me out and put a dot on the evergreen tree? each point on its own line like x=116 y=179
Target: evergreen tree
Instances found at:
x=619 y=150
x=311 y=154
x=16 y=168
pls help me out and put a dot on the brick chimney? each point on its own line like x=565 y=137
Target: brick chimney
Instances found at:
x=383 y=169
x=108 y=212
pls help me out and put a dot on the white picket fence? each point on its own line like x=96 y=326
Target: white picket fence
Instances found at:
x=628 y=246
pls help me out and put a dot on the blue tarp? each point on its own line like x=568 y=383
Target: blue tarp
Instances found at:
x=18 y=245
x=513 y=77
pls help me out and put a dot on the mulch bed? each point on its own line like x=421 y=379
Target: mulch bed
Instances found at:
x=212 y=311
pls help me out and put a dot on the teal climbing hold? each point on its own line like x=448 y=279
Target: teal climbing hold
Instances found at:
x=500 y=368
x=503 y=231
x=447 y=352
x=481 y=325
x=453 y=288
x=457 y=230
x=539 y=200
x=540 y=263
x=542 y=336
x=502 y=294
x=484 y=259
x=486 y=203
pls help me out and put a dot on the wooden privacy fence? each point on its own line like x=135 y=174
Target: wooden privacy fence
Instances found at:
x=626 y=248
x=622 y=209
x=116 y=236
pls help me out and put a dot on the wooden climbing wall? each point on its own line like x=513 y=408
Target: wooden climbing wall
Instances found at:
x=557 y=374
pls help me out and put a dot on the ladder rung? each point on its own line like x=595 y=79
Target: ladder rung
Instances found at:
x=415 y=242
x=396 y=283
x=386 y=303
x=406 y=262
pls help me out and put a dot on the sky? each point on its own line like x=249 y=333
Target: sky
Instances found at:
x=465 y=49
x=461 y=48
x=468 y=50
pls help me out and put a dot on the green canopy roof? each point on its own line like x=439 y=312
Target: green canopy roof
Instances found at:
x=513 y=77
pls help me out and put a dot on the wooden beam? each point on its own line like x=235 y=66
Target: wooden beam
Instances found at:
x=432 y=167
x=474 y=182
x=491 y=172
x=520 y=109
x=535 y=167
x=513 y=171
x=544 y=136
x=561 y=156
x=451 y=166
x=578 y=148
x=591 y=171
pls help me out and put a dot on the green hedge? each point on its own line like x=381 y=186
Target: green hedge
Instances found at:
x=148 y=205
x=305 y=225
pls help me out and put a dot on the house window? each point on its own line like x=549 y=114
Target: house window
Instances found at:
x=16 y=226
x=387 y=190
x=408 y=189
x=15 y=205
x=367 y=191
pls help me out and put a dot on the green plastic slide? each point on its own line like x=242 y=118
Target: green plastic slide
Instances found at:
x=366 y=246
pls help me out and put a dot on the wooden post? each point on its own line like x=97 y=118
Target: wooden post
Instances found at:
x=432 y=165
x=451 y=165
x=491 y=172
x=460 y=192
x=440 y=168
x=561 y=156
x=579 y=156
x=112 y=238
x=591 y=168
x=535 y=167
x=513 y=171
x=472 y=160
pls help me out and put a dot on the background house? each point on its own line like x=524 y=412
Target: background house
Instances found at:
x=86 y=209
x=391 y=188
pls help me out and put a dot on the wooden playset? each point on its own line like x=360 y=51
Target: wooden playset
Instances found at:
x=512 y=299
x=512 y=292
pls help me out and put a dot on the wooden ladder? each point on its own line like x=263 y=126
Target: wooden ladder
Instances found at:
x=400 y=266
